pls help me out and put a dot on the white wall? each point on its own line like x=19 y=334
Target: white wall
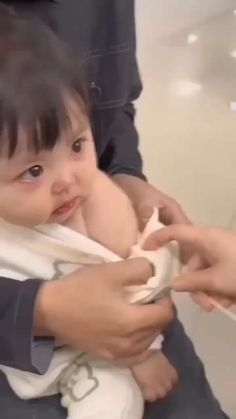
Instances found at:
x=169 y=16
x=189 y=142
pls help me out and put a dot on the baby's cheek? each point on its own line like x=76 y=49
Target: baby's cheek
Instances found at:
x=86 y=179
x=36 y=211
x=32 y=215
x=24 y=206
x=10 y=205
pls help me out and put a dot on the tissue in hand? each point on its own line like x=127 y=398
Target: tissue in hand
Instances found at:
x=162 y=260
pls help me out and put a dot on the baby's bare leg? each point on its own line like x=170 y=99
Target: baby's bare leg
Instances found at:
x=155 y=376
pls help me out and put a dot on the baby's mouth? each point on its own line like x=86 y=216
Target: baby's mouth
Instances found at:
x=66 y=207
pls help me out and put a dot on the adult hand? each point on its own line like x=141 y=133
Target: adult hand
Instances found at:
x=88 y=310
x=215 y=265
x=145 y=197
x=195 y=263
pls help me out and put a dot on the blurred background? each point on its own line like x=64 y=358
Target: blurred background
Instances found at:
x=187 y=124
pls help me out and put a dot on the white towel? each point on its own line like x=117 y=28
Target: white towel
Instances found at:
x=52 y=251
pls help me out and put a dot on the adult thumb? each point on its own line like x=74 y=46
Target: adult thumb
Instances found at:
x=135 y=271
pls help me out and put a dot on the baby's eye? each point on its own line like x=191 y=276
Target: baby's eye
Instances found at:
x=32 y=173
x=77 y=145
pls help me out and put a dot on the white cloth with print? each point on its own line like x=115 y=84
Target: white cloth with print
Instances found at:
x=90 y=388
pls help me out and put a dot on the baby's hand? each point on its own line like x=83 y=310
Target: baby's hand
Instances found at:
x=155 y=376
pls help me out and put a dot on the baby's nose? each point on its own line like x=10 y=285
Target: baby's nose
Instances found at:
x=63 y=183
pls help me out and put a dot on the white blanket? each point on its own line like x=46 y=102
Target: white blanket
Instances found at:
x=50 y=252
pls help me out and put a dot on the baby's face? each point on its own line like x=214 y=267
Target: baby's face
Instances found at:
x=47 y=187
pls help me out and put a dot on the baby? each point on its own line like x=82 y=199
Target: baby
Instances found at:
x=48 y=167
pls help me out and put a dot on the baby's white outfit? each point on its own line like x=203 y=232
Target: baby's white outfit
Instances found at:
x=90 y=389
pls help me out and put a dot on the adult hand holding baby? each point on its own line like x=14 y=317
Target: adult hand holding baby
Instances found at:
x=88 y=310
x=145 y=197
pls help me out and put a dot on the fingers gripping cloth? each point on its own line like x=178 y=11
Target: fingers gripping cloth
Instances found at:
x=165 y=268
x=164 y=263
x=54 y=251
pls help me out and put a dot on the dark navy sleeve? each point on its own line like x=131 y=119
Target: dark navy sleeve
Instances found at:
x=18 y=346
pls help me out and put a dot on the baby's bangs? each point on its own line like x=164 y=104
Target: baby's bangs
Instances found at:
x=40 y=111
x=38 y=74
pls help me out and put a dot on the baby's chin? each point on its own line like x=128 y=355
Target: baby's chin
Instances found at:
x=60 y=218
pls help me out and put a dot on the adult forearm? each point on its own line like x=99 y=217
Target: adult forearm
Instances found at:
x=125 y=157
x=18 y=346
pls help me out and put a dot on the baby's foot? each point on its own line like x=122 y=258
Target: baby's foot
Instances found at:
x=155 y=376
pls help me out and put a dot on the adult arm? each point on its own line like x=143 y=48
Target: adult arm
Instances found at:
x=122 y=152
x=121 y=157
x=68 y=309
x=18 y=346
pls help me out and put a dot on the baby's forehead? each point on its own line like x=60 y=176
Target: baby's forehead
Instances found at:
x=43 y=134
x=77 y=124
x=77 y=117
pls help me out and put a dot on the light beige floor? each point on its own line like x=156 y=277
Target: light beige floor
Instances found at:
x=188 y=133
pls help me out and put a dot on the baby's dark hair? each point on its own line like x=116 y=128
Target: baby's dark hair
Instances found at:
x=37 y=72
